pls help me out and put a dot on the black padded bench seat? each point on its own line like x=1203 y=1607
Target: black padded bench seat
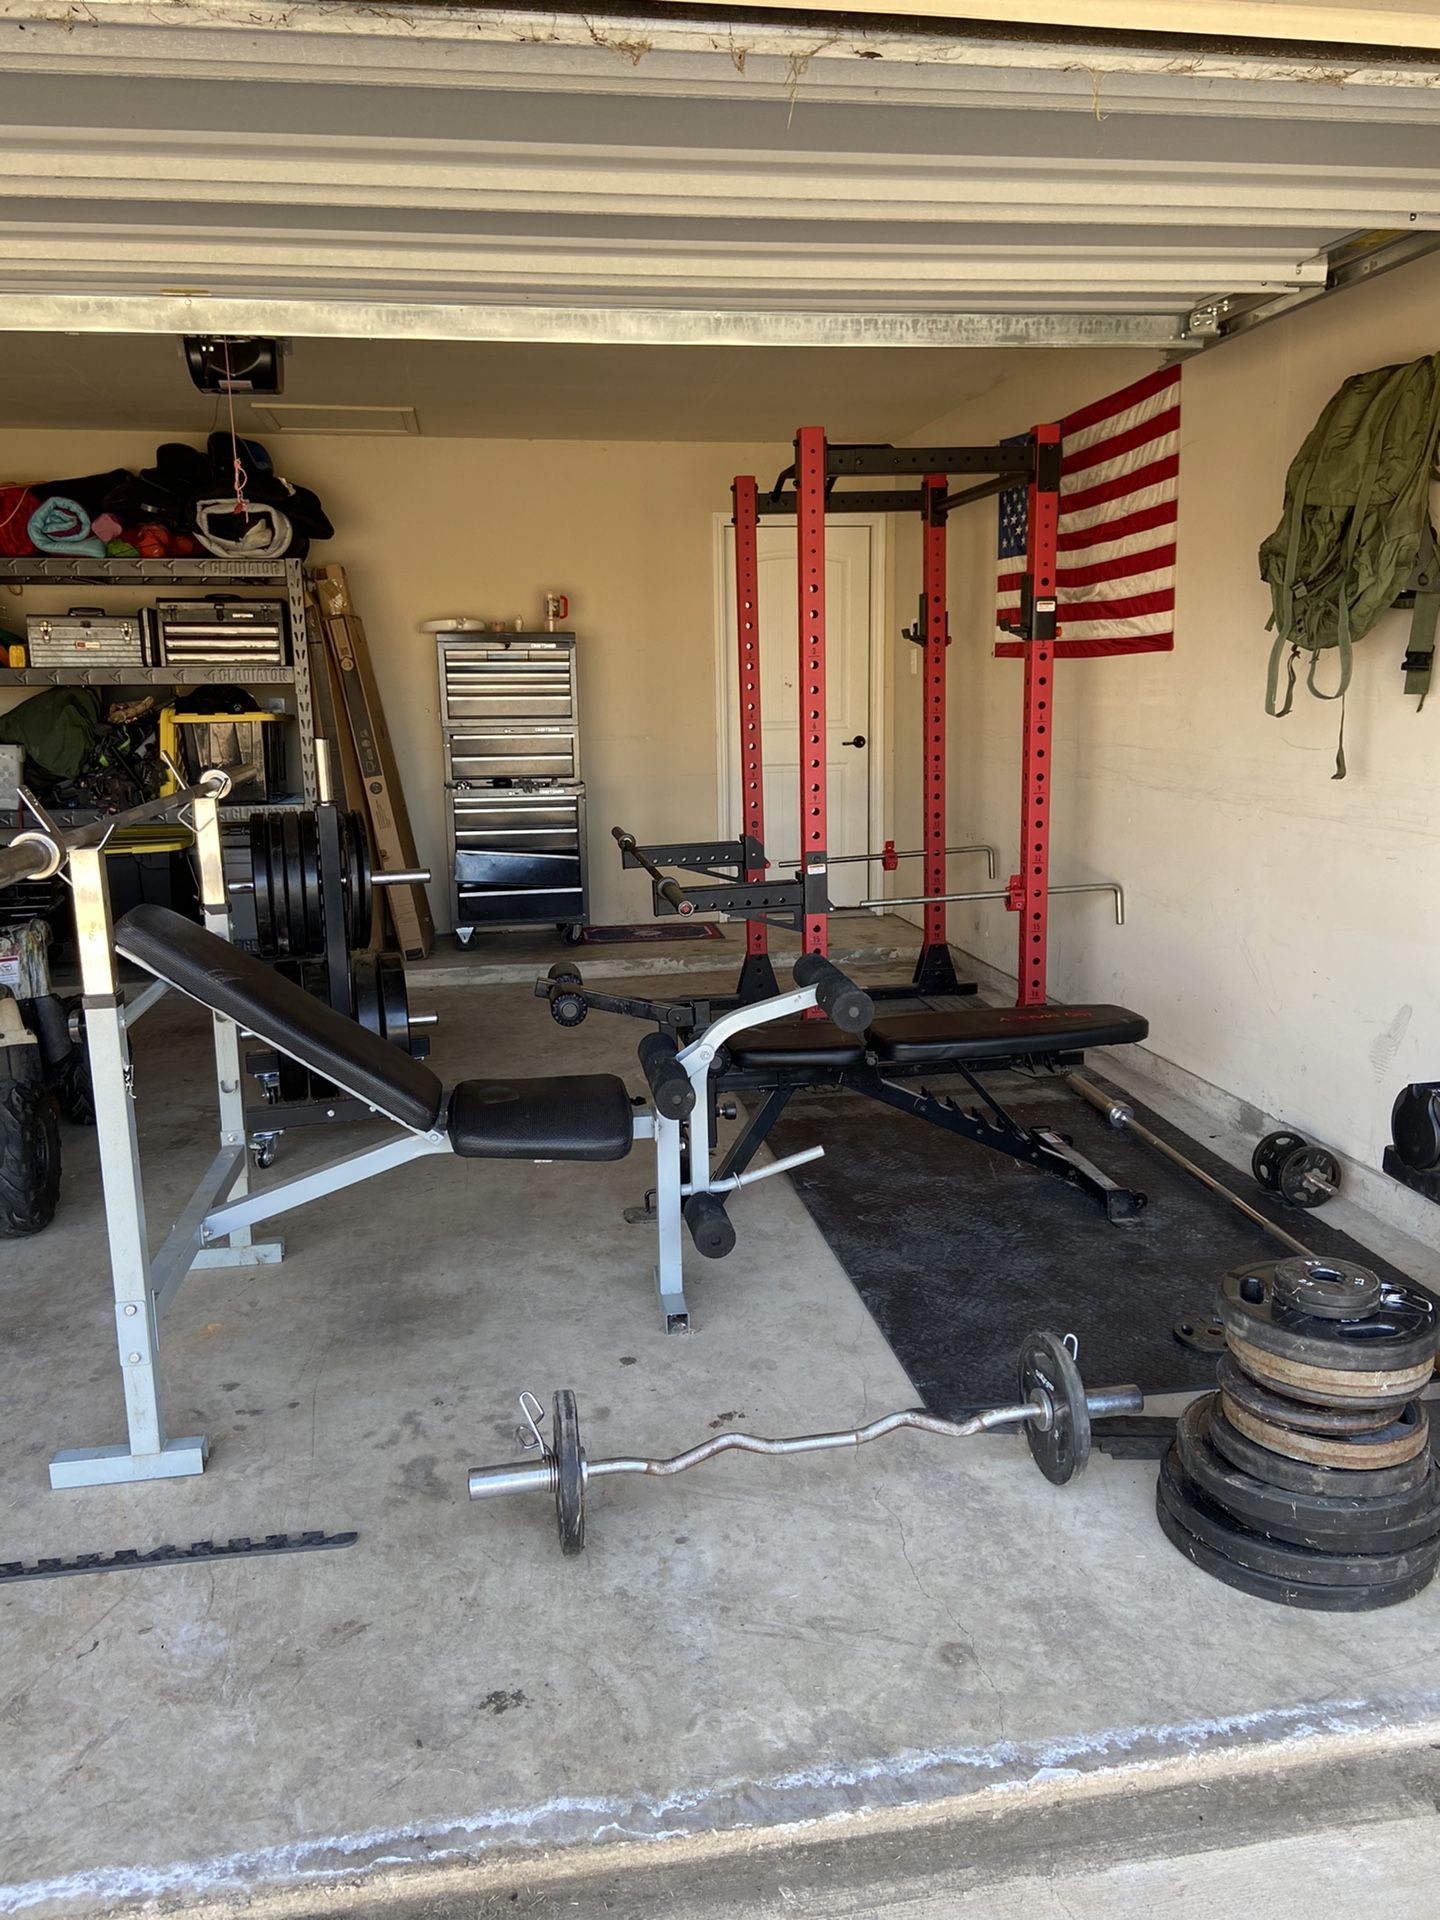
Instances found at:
x=789 y=1043
x=1000 y=1033
x=583 y=1117
x=578 y=1116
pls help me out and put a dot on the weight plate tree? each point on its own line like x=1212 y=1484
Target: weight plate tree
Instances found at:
x=1056 y=1413
x=1307 y=1477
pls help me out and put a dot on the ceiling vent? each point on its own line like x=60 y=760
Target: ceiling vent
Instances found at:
x=294 y=416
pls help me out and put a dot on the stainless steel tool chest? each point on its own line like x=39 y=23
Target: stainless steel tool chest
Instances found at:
x=515 y=800
x=221 y=628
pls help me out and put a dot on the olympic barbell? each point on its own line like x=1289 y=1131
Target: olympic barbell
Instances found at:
x=1053 y=1408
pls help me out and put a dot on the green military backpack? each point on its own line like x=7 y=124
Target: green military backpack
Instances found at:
x=1355 y=533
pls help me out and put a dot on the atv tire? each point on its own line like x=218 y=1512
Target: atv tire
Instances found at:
x=29 y=1152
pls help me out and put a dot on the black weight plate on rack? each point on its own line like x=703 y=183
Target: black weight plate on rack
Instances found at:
x=355 y=846
x=1401 y=1332
x=394 y=999
x=1298 y=1476
x=1311 y=1520
x=1326 y=1567
x=294 y=883
x=313 y=903
x=365 y=988
x=1266 y=1403
x=260 y=880
x=275 y=881
x=1288 y=1593
x=569 y=1473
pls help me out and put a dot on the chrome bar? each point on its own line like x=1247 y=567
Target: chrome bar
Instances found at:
x=822 y=1442
x=401 y=877
x=1001 y=893
x=1122 y=1117
x=733 y=1182
x=909 y=853
x=32 y=855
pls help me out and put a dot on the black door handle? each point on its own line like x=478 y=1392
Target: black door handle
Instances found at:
x=858 y=741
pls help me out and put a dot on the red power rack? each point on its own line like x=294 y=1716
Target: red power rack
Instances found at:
x=1030 y=887
x=810 y=484
x=757 y=975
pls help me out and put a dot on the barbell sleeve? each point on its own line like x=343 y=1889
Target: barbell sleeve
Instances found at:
x=29 y=856
x=666 y=889
x=401 y=877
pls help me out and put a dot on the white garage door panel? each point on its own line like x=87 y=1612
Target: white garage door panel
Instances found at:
x=138 y=200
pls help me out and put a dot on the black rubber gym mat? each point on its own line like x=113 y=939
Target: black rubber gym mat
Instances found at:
x=959 y=1253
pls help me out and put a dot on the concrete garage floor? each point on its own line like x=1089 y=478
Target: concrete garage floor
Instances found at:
x=916 y=1681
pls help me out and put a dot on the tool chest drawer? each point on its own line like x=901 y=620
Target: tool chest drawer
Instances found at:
x=534 y=753
x=500 y=682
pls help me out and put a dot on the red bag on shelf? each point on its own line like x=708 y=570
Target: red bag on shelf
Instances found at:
x=16 y=506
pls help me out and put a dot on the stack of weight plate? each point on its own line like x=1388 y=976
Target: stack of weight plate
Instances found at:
x=1308 y=1478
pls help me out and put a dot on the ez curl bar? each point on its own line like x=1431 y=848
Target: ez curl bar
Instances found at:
x=1053 y=1408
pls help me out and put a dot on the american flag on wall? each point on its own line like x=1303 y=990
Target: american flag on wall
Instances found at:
x=1119 y=491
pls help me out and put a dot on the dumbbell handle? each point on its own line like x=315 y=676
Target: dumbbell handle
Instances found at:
x=489 y=1482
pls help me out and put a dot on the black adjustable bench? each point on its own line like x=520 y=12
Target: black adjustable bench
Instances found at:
x=994 y=1035
x=884 y=1063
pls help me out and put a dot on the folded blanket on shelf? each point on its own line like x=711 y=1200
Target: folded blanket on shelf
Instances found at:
x=62 y=526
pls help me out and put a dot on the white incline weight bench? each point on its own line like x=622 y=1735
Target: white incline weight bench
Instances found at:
x=579 y=1117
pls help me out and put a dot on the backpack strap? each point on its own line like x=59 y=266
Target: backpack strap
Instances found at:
x=1420 y=653
x=1272 y=678
x=1425 y=585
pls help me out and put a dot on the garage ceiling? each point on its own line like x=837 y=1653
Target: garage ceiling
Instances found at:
x=505 y=391
x=464 y=173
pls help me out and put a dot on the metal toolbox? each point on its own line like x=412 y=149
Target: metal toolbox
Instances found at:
x=86 y=637
x=509 y=717
x=221 y=628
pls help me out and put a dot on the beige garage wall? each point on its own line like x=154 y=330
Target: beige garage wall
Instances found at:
x=431 y=527
x=1283 y=928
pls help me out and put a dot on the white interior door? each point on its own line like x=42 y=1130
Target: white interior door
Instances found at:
x=849 y=558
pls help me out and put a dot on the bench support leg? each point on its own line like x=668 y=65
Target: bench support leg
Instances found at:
x=998 y=1130
x=148 y=1453
x=669 y=1226
x=747 y=1144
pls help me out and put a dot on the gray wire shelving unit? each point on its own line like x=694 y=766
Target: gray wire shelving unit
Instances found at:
x=53 y=570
